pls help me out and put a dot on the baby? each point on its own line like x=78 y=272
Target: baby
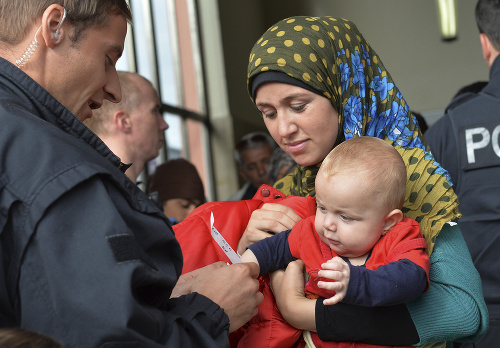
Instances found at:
x=358 y=236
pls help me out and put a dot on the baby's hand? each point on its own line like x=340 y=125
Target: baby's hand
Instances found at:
x=249 y=256
x=338 y=270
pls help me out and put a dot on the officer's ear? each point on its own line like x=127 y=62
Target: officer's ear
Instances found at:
x=122 y=121
x=487 y=48
x=52 y=20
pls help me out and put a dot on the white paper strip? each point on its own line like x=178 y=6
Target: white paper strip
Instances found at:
x=230 y=253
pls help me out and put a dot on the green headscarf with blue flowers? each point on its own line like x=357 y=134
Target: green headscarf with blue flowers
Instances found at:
x=331 y=56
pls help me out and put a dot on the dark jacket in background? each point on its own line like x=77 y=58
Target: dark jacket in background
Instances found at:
x=466 y=141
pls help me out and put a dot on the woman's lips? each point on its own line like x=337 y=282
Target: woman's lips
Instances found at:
x=296 y=146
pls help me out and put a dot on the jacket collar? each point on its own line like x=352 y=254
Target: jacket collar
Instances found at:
x=493 y=86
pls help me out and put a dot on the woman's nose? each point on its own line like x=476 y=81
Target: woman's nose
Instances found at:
x=286 y=126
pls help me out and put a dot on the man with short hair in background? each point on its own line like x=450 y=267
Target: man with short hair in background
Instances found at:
x=133 y=128
x=253 y=154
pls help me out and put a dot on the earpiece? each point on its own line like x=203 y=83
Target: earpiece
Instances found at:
x=56 y=34
x=34 y=44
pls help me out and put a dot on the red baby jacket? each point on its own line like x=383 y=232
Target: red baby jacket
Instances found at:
x=267 y=328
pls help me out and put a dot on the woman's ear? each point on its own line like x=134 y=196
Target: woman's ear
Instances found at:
x=395 y=216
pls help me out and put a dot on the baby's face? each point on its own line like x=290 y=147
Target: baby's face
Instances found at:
x=347 y=219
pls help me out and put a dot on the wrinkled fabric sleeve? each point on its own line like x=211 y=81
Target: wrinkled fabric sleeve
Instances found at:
x=394 y=283
x=100 y=280
x=272 y=253
x=452 y=309
x=387 y=325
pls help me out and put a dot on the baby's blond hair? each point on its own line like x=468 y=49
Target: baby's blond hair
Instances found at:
x=381 y=167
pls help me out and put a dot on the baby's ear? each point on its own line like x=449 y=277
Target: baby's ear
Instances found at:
x=391 y=220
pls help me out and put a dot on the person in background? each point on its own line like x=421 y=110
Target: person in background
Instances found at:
x=465 y=92
x=377 y=257
x=179 y=188
x=134 y=128
x=280 y=165
x=85 y=256
x=317 y=82
x=252 y=155
x=474 y=87
x=19 y=338
x=465 y=140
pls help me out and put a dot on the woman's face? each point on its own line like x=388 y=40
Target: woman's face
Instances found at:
x=303 y=123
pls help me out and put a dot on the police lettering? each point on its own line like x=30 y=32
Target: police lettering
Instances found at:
x=482 y=146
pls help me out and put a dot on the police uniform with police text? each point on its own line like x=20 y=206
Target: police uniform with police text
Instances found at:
x=466 y=141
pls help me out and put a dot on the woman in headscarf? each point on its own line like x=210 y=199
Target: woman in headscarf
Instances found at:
x=317 y=82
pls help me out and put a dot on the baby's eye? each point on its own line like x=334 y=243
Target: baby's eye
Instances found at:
x=345 y=217
x=321 y=208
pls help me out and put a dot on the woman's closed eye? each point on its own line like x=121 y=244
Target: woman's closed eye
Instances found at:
x=267 y=112
x=298 y=108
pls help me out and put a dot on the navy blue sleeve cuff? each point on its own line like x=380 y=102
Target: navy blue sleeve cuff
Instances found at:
x=272 y=253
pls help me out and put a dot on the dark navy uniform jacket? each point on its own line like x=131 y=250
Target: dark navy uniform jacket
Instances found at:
x=85 y=256
x=466 y=141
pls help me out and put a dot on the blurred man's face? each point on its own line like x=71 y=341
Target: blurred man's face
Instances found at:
x=147 y=122
x=256 y=163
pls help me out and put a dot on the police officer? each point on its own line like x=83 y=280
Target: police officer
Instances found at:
x=466 y=141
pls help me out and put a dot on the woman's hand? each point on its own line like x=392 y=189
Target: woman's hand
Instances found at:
x=288 y=290
x=271 y=218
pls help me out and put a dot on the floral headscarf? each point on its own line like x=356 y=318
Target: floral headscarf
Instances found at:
x=331 y=56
